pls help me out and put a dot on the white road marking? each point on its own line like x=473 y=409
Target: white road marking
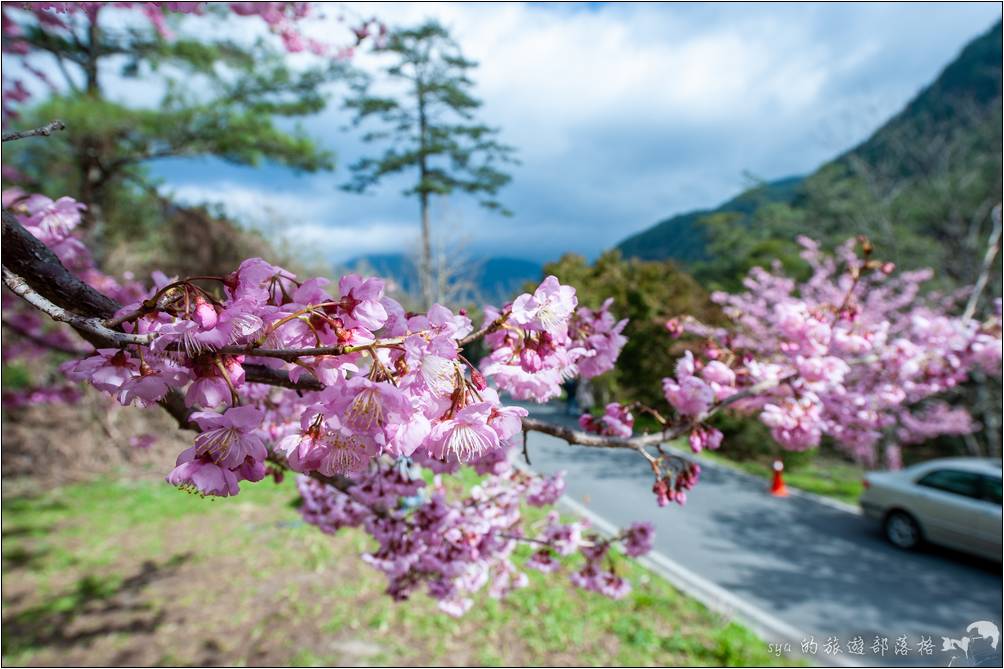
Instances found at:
x=716 y=598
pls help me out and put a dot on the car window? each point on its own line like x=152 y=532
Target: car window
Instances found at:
x=992 y=489
x=967 y=484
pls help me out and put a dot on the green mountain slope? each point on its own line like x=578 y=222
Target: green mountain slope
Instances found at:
x=922 y=187
x=684 y=239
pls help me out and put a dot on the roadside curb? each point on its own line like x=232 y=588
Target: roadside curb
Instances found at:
x=763 y=624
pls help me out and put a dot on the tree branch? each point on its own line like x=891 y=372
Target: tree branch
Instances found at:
x=41 y=341
x=93 y=326
x=45 y=130
x=486 y=330
x=290 y=355
x=49 y=286
x=272 y=377
x=26 y=256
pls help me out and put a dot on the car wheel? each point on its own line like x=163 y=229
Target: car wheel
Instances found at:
x=902 y=530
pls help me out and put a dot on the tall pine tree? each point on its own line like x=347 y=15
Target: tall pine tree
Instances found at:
x=430 y=129
x=209 y=92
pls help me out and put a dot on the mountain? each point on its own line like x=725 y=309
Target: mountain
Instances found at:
x=683 y=238
x=494 y=279
x=921 y=187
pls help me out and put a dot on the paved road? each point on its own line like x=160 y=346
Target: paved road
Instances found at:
x=823 y=571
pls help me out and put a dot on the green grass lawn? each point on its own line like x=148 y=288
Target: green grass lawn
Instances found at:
x=820 y=475
x=138 y=573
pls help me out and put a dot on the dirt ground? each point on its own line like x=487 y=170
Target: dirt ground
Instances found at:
x=54 y=444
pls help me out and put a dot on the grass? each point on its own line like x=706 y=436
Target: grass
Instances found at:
x=820 y=475
x=138 y=573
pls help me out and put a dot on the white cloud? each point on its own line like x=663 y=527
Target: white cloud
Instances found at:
x=307 y=219
x=625 y=114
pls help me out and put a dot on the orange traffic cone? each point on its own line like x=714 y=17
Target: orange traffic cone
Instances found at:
x=778 y=488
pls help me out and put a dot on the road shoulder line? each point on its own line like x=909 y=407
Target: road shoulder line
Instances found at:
x=716 y=598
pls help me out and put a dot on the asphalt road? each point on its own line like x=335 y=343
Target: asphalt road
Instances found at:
x=822 y=570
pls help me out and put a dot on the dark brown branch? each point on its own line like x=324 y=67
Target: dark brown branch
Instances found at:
x=83 y=324
x=45 y=131
x=26 y=256
x=272 y=377
x=291 y=355
x=174 y=404
x=339 y=482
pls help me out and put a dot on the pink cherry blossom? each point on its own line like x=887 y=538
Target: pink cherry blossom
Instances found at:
x=203 y=476
x=548 y=309
x=230 y=437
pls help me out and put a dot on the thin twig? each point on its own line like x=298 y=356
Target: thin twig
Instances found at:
x=42 y=341
x=486 y=330
x=44 y=131
x=291 y=355
x=91 y=325
x=580 y=438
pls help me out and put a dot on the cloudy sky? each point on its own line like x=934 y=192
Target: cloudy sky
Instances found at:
x=622 y=114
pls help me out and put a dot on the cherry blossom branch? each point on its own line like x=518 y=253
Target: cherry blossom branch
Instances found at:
x=48 y=274
x=291 y=355
x=45 y=131
x=273 y=377
x=581 y=438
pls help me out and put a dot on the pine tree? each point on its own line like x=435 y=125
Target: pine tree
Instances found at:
x=431 y=130
x=210 y=96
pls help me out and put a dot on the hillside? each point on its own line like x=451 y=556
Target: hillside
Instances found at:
x=684 y=239
x=921 y=187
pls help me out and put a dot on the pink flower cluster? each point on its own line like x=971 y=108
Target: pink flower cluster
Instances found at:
x=393 y=384
x=852 y=353
x=544 y=341
x=673 y=486
x=454 y=547
x=616 y=421
x=695 y=388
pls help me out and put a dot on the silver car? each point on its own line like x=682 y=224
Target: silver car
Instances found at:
x=954 y=502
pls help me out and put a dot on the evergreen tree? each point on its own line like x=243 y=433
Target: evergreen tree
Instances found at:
x=212 y=96
x=431 y=129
